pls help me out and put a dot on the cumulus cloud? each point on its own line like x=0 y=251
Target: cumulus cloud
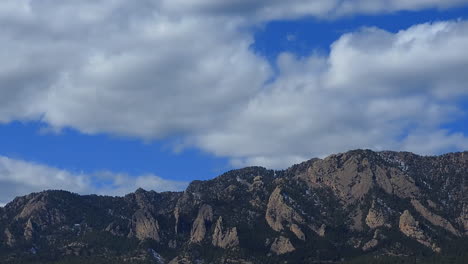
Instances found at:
x=18 y=177
x=99 y=72
x=375 y=90
x=158 y=69
x=264 y=10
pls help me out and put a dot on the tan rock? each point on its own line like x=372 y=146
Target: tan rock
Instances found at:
x=29 y=230
x=374 y=242
x=463 y=218
x=144 y=226
x=351 y=176
x=224 y=239
x=205 y=214
x=433 y=218
x=319 y=230
x=370 y=245
x=180 y=260
x=298 y=232
x=10 y=238
x=410 y=227
x=36 y=208
x=281 y=246
x=403 y=186
x=376 y=218
x=279 y=213
x=30 y=208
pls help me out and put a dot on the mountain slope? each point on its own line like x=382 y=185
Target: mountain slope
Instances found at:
x=341 y=208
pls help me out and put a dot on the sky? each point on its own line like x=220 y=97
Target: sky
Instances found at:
x=108 y=96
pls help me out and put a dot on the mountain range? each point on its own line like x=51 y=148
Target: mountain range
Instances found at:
x=355 y=207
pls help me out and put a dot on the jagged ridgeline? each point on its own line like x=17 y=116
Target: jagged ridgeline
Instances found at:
x=355 y=207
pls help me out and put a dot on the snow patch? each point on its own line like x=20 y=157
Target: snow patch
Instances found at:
x=159 y=259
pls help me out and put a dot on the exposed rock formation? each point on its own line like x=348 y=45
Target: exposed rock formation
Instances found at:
x=224 y=239
x=29 y=230
x=205 y=214
x=376 y=218
x=374 y=242
x=410 y=227
x=180 y=260
x=351 y=175
x=463 y=218
x=145 y=226
x=279 y=213
x=298 y=232
x=282 y=246
x=433 y=218
x=321 y=231
x=9 y=238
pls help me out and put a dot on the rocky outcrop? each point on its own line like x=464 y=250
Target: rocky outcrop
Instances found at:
x=205 y=215
x=115 y=229
x=463 y=218
x=29 y=230
x=180 y=260
x=278 y=213
x=224 y=238
x=353 y=174
x=374 y=242
x=9 y=238
x=34 y=206
x=433 y=218
x=376 y=218
x=320 y=231
x=144 y=226
x=370 y=244
x=281 y=245
x=37 y=208
x=410 y=227
x=298 y=232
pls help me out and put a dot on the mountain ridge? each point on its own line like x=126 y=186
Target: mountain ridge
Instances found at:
x=343 y=207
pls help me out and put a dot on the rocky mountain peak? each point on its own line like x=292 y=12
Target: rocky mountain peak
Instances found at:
x=358 y=203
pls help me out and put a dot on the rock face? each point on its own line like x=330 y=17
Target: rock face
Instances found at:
x=376 y=218
x=352 y=175
x=279 y=213
x=298 y=232
x=433 y=218
x=282 y=246
x=145 y=226
x=205 y=215
x=322 y=210
x=224 y=239
x=410 y=227
x=463 y=218
x=9 y=238
x=374 y=242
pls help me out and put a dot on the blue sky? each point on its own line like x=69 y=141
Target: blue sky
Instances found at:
x=105 y=97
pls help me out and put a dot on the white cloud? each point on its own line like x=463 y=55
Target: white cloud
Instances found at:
x=153 y=69
x=264 y=10
x=90 y=68
x=375 y=90
x=18 y=177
